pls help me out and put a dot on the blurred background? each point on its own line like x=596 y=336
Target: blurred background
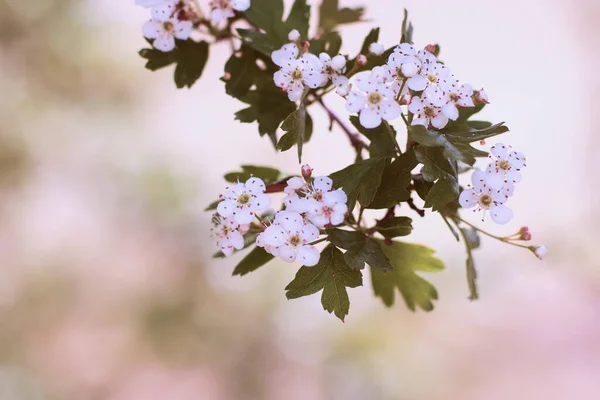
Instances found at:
x=107 y=286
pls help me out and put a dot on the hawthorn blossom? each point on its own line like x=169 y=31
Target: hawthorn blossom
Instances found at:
x=540 y=251
x=153 y=3
x=164 y=29
x=242 y=200
x=228 y=235
x=484 y=198
x=289 y=238
x=375 y=100
x=425 y=113
x=294 y=35
x=295 y=73
x=376 y=48
x=333 y=68
x=406 y=62
x=431 y=76
x=224 y=9
x=450 y=95
x=505 y=166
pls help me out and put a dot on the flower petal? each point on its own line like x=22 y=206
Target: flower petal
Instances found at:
x=309 y=232
x=370 y=118
x=390 y=110
x=260 y=201
x=226 y=208
x=501 y=214
x=308 y=255
x=152 y=29
x=165 y=42
x=355 y=101
x=287 y=253
x=274 y=236
x=255 y=185
x=291 y=221
x=183 y=29
x=323 y=183
x=468 y=198
x=499 y=150
x=243 y=215
x=237 y=240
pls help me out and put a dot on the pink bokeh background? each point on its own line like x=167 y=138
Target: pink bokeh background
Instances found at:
x=108 y=288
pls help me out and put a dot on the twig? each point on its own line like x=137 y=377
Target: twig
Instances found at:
x=412 y=205
x=354 y=138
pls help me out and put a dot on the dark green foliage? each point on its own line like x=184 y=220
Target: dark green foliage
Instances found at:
x=360 y=181
x=381 y=142
x=361 y=249
x=331 y=275
x=242 y=69
x=253 y=261
x=407 y=29
x=330 y=15
x=298 y=126
x=189 y=56
x=267 y=174
x=395 y=181
x=406 y=259
x=394 y=227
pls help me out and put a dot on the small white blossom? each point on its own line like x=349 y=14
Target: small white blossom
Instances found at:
x=361 y=59
x=505 y=167
x=540 y=251
x=227 y=233
x=426 y=113
x=242 y=200
x=375 y=100
x=294 y=35
x=153 y=3
x=484 y=198
x=406 y=62
x=164 y=29
x=295 y=73
x=376 y=48
x=289 y=238
x=224 y=9
x=450 y=95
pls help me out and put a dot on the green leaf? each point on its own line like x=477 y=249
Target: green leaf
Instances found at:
x=267 y=174
x=329 y=43
x=422 y=187
x=241 y=68
x=467 y=112
x=299 y=18
x=381 y=142
x=406 y=259
x=331 y=16
x=253 y=261
x=268 y=16
x=345 y=239
x=444 y=191
x=395 y=181
x=190 y=57
x=333 y=276
x=459 y=133
x=361 y=249
x=298 y=126
x=372 y=59
x=393 y=227
x=471 y=241
x=360 y=181
x=213 y=205
x=258 y=41
x=435 y=165
x=407 y=29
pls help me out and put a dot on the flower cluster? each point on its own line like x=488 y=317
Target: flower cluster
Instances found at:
x=310 y=205
x=492 y=188
x=174 y=19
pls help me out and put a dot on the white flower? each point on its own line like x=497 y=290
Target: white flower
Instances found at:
x=164 y=29
x=297 y=72
x=228 y=235
x=333 y=68
x=223 y=9
x=243 y=199
x=484 y=198
x=505 y=166
x=288 y=238
x=376 y=48
x=431 y=76
x=293 y=35
x=408 y=63
x=153 y=3
x=540 y=251
x=482 y=96
x=374 y=102
x=425 y=113
x=450 y=95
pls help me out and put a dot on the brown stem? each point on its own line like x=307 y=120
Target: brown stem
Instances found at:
x=275 y=187
x=354 y=138
x=412 y=205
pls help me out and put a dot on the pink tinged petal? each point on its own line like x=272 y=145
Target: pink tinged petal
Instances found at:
x=281 y=79
x=355 y=101
x=260 y=240
x=468 y=198
x=165 y=42
x=318 y=219
x=513 y=176
x=323 y=183
x=466 y=102
x=501 y=214
x=240 y=5
x=287 y=254
x=390 y=110
x=243 y=215
x=499 y=151
x=494 y=179
x=338 y=62
x=296 y=183
x=450 y=111
x=417 y=83
x=226 y=208
x=183 y=29
x=308 y=255
x=439 y=121
x=291 y=221
x=220 y=14
x=478 y=179
x=226 y=247
x=337 y=196
x=237 y=240
x=370 y=118
x=309 y=232
x=163 y=12
x=337 y=218
x=260 y=201
x=274 y=236
x=255 y=185
x=152 y=29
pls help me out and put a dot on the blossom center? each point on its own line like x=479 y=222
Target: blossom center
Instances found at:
x=375 y=98
x=295 y=240
x=433 y=78
x=454 y=97
x=429 y=112
x=504 y=165
x=318 y=195
x=168 y=26
x=297 y=74
x=243 y=199
x=485 y=200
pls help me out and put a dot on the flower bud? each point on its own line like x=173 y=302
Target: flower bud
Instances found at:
x=482 y=142
x=361 y=60
x=226 y=76
x=305 y=46
x=431 y=48
x=540 y=251
x=306 y=171
x=405 y=99
x=482 y=97
x=244 y=228
x=294 y=35
x=376 y=48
